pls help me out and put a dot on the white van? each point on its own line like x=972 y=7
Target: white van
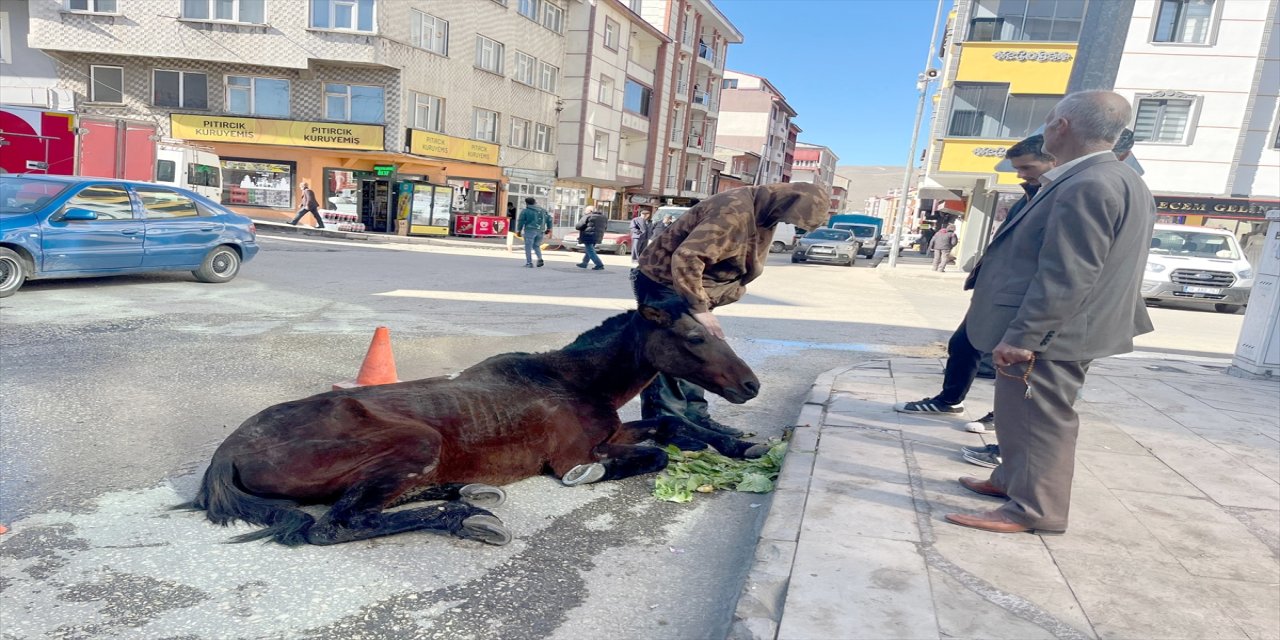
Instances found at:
x=194 y=167
x=784 y=238
x=1197 y=265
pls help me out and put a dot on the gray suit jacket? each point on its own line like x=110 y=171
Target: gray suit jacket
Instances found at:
x=1062 y=276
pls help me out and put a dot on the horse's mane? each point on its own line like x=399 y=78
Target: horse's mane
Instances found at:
x=674 y=305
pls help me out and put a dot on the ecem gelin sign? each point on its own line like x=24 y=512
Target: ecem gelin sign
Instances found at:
x=435 y=145
x=1215 y=207
x=291 y=133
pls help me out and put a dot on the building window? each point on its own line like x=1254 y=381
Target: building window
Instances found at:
x=602 y=146
x=429 y=32
x=605 y=96
x=257 y=183
x=342 y=15
x=524 y=68
x=610 y=34
x=542 y=138
x=1183 y=21
x=252 y=96
x=729 y=83
x=92 y=6
x=552 y=17
x=248 y=11
x=6 y=51
x=520 y=133
x=428 y=112
x=1162 y=120
x=988 y=111
x=528 y=9
x=354 y=103
x=484 y=125
x=1034 y=20
x=489 y=54
x=182 y=89
x=636 y=97
x=548 y=77
x=106 y=84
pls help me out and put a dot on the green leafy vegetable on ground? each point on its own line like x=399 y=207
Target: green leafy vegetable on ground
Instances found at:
x=705 y=471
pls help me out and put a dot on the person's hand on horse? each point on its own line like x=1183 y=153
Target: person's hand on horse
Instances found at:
x=1006 y=354
x=710 y=322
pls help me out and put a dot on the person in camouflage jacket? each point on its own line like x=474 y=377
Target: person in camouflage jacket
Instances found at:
x=707 y=257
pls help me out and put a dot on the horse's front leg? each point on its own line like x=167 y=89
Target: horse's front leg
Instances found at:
x=686 y=436
x=615 y=461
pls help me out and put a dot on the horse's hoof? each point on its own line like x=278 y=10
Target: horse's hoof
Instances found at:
x=483 y=495
x=583 y=474
x=756 y=451
x=486 y=529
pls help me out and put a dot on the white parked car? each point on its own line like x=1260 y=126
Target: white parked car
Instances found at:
x=1198 y=265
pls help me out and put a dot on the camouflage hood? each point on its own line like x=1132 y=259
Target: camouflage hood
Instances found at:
x=799 y=203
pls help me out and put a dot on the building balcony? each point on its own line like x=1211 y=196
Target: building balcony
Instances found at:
x=677 y=135
x=671 y=183
x=696 y=143
x=706 y=55
x=682 y=90
x=640 y=72
x=701 y=100
x=635 y=123
x=630 y=173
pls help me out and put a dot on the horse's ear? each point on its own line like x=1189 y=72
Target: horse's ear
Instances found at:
x=655 y=315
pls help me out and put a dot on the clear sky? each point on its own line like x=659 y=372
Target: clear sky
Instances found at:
x=848 y=68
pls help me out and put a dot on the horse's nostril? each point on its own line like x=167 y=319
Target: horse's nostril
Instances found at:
x=752 y=387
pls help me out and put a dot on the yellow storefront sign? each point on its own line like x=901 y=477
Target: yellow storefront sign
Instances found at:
x=974 y=156
x=290 y=133
x=1040 y=68
x=435 y=145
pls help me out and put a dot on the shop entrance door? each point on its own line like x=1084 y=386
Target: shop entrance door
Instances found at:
x=375 y=205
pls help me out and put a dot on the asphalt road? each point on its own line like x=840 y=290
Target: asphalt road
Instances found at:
x=114 y=393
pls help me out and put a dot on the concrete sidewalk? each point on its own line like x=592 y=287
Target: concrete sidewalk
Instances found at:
x=1174 y=533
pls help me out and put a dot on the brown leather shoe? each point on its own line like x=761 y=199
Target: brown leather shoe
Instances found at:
x=995 y=522
x=983 y=487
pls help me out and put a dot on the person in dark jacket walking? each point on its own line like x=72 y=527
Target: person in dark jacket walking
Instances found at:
x=308 y=204
x=590 y=232
x=534 y=222
x=941 y=245
x=707 y=258
x=641 y=231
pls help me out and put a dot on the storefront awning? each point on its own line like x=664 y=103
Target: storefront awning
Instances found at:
x=937 y=193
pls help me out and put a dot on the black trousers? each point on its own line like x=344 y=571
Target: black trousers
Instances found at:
x=313 y=212
x=667 y=395
x=961 y=369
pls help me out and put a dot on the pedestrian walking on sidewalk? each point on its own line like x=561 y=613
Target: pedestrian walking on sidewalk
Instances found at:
x=707 y=257
x=641 y=231
x=590 y=232
x=307 y=204
x=1058 y=288
x=941 y=245
x=1030 y=161
x=533 y=224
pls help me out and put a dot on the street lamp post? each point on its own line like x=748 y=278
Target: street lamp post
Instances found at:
x=929 y=74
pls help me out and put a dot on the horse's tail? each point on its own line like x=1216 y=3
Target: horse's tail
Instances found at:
x=224 y=502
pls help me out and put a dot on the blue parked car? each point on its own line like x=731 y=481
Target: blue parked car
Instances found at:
x=73 y=226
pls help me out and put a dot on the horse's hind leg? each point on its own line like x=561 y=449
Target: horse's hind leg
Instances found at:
x=456 y=518
x=617 y=461
x=686 y=436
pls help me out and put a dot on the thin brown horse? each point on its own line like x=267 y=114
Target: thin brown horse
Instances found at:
x=510 y=417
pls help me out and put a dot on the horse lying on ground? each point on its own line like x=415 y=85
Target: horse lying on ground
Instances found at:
x=510 y=417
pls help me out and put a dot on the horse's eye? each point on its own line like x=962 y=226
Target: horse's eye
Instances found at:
x=696 y=339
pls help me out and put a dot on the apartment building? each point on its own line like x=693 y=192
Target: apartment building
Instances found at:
x=1203 y=77
x=388 y=109
x=755 y=117
x=688 y=102
x=28 y=77
x=609 y=122
x=1204 y=80
x=815 y=164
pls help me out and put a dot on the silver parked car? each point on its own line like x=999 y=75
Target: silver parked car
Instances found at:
x=837 y=246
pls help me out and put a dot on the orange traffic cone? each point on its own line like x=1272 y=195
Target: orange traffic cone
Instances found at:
x=379 y=365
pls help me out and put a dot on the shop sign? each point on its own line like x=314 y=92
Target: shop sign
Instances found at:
x=435 y=145
x=638 y=199
x=289 y=133
x=382 y=170
x=1214 y=207
x=989 y=152
x=1032 y=56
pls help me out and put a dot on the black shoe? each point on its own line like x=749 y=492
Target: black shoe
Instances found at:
x=599 y=268
x=988 y=456
x=985 y=424
x=581 y=265
x=928 y=405
x=540 y=262
x=529 y=265
x=720 y=427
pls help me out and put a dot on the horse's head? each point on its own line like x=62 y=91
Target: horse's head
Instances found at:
x=680 y=346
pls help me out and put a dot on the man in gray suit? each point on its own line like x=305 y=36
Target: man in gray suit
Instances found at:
x=1057 y=289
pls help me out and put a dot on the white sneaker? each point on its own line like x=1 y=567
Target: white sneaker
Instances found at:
x=985 y=424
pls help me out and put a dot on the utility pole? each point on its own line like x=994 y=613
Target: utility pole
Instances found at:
x=923 y=81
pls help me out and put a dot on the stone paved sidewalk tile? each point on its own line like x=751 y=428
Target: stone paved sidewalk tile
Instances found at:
x=962 y=613
x=1102 y=524
x=1136 y=472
